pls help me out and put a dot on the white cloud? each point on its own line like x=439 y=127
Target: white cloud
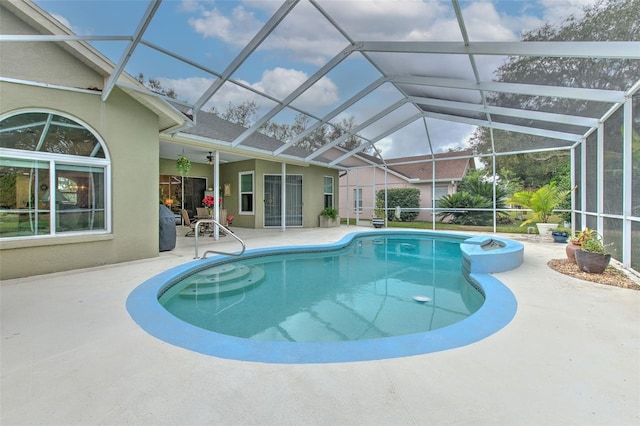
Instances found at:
x=278 y=82
x=64 y=21
x=484 y=23
x=556 y=11
x=236 y=29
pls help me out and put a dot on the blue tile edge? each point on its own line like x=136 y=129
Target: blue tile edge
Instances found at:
x=497 y=312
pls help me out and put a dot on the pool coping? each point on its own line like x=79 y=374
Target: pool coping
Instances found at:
x=498 y=310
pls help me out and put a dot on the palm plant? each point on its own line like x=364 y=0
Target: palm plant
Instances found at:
x=541 y=201
x=461 y=201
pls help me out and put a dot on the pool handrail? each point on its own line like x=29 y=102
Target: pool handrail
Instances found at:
x=225 y=229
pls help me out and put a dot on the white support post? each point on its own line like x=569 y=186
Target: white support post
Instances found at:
x=347 y=199
x=583 y=181
x=573 y=185
x=600 y=180
x=627 y=187
x=283 y=198
x=216 y=193
x=433 y=191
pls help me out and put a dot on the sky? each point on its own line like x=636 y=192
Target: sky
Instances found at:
x=211 y=33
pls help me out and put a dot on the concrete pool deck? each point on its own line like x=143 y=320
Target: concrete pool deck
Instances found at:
x=70 y=354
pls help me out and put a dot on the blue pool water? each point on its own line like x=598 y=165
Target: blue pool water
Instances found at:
x=365 y=290
x=349 y=301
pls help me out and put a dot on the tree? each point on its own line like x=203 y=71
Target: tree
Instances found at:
x=476 y=192
x=242 y=114
x=245 y=113
x=606 y=20
x=532 y=169
x=155 y=86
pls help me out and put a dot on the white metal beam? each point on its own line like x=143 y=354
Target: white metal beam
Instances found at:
x=567 y=49
x=523 y=89
x=293 y=95
x=510 y=112
x=248 y=49
x=356 y=129
x=389 y=131
x=358 y=96
x=126 y=55
x=59 y=37
x=508 y=127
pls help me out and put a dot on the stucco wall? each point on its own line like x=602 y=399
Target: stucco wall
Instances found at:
x=312 y=190
x=364 y=178
x=28 y=60
x=130 y=132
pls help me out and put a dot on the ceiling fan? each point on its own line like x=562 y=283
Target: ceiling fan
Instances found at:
x=210 y=158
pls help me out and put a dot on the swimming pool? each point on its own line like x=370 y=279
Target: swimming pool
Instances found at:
x=382 y=317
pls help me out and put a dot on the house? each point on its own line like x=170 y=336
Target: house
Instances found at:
x=367 y=175
x=250 y=183
x=85 y=162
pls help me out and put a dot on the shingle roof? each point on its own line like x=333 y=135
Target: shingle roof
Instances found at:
x=210 y=126
x=421 y=167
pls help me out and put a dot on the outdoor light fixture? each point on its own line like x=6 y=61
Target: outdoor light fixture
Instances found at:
x=210 y=158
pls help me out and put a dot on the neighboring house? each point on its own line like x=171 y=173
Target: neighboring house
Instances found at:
x=367 y=176
x=80 y=168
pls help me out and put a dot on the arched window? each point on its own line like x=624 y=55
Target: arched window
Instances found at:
x=53 y=176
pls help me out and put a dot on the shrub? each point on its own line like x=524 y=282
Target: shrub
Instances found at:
x=329 y=212
x=406 y=198
x=462 y=200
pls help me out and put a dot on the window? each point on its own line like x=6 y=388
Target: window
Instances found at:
x=357 y=199
x=52 y=176
x=246 y=192
x=440 y=191
x=328 y=191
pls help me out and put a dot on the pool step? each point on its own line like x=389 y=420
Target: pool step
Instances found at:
x=224 y=279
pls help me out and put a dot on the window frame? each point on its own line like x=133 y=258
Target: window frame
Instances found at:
x=55 y=161
x=438 y=194
x=331 y=194
x=252 y=193
x=357 y=200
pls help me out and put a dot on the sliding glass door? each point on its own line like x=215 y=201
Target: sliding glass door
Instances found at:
x=273 y=200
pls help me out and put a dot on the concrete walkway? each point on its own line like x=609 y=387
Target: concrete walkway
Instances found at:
x=71 y=355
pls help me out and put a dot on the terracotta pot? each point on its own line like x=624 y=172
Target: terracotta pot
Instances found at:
x=570 y=249
x=594 y=263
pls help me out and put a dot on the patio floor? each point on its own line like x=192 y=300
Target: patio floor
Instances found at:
x=71 y=355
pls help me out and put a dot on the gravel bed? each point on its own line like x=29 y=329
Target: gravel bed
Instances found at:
x=611 y=275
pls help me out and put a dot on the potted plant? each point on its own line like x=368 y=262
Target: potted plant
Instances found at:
x=378 y=218
x=576 y=240
x=541 y=202
x=592 y=257
x=183 y=165
x=560 y=234
x=208 y=202
x=329 y=218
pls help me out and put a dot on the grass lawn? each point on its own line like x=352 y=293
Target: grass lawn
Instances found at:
x=513 y=228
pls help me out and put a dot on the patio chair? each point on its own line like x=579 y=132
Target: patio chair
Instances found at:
x=187 y=222
x=202 y=213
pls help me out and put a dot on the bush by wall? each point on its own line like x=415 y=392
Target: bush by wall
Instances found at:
x=406 y=198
